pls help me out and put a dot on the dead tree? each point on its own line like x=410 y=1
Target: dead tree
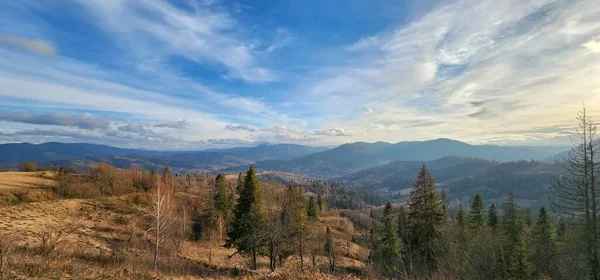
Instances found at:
x=574 y=194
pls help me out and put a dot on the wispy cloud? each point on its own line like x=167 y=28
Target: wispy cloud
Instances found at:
x=240 y=127
x=84 y=121
x=37 y=46
x=182 y=124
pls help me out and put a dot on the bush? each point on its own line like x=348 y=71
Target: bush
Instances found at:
x=28 y=166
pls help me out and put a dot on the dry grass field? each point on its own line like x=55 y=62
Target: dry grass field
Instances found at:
x=106 y=238
x=18 y=187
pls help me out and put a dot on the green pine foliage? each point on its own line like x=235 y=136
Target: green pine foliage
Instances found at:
x=493 y=218
x=425 y=220
x=246 y=234
x=386 y=251
x=460 y=216
x=403 y=229
x=312 y=209
x=477 y=219
x=544 y=243
x=240 y=183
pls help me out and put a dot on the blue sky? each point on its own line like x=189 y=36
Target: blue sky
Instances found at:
x=197 y=74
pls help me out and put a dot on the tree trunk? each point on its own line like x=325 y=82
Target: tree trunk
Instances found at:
x=253 y=259
x=301 y=253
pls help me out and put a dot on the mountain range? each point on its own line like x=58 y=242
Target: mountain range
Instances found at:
x=350 y=158
x=316 y=162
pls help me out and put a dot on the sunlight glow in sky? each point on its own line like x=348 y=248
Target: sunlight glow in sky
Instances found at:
x=199 y=74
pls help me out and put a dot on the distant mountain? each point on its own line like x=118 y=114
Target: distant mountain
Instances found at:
x=349 y=158
x=462 y=177
x=19 y=152
x=273 y=151
x=80 y=154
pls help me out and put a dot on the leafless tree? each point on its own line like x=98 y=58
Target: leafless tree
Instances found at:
x=161 y=215
x=574 y=194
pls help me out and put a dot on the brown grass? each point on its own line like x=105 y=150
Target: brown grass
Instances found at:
x=103 y=238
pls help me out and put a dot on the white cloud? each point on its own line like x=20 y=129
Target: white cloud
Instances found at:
x=593 y=46
x=204 y=35
x=467 y=70
x=36 y=45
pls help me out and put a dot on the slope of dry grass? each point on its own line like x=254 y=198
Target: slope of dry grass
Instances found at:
x=18 y=187
x=105 y=238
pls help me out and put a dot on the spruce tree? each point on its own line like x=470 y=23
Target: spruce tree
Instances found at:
x=403 y=225
x=221 y=205
x=389 y=250
x=460 y=216
x=248 y=224
x=510 y=221
x=493 y=218
x=425 y=218
x=544 y=243
x=520 y=267
x=312 y=209
x=240 y=183
x=477 y=219
x=444 y=199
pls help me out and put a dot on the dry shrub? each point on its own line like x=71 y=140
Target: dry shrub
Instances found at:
x=52 y=236
x=7 y=247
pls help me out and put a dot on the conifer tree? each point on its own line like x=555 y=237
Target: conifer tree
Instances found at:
x=500 y=267
x=493 y=218
x=388 y=250
x=240 y=183
x=425 y=219
x=544 y=244
x=312 y=209
x=444 y=199
x=477 y=219
x=403 y=224
x=510 y=221
x=221 y=205
x=248 y=224
x=460 y=216
x=521 y=267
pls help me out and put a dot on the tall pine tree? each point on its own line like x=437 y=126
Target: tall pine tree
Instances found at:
x=312 y=209
x=387 y=251
x=460 y=216
x=425 y=219
x=477 y=219
x=493 y=218
x=248 y=225
x=544 y=244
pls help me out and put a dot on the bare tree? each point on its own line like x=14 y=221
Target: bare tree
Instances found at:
x=161 y=215
x=574 y=194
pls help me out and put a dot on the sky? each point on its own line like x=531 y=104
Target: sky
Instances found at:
x=185 y=74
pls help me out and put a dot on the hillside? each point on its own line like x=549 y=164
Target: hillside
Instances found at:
x=106 y=236
x=461 y=177
x=350 y=158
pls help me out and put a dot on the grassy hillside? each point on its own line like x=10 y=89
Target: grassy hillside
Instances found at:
x=106 y=236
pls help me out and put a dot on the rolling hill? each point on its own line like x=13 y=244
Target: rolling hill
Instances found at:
x=462 y=177
x=350 y=158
